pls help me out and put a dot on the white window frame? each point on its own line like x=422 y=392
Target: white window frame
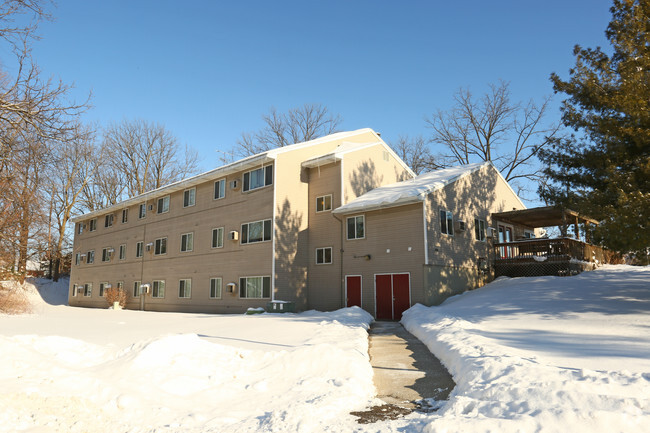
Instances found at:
x=448 y=227
x=142 y=211
x=136 y=289
x=213 y=289
x=189 y=197
x=102 y=288
x=75 y=290
x=245 y=228
x=267 y=172
x=355 y=234
x=325 y=206
x=187 y=242
x=120 y=285
x=139 y=249
x=125 y=215
x=106 y=255
x=88 y=290
x=219 y=189
x=122 y=252
x=162 y=205
x=480 y=229
x=108 y=220
x=157 y=291
x=243 y=287
x=185 y=288
x=80 y=228
x=323 y=251
x=92 y=225
x=77 y=259
x=158 y=247
x=221 y=230
x=90 y=257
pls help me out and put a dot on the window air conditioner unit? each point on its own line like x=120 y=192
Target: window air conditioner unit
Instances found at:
x=461 y=226
x=234 y=235
x=234 y=184
x=491 y=231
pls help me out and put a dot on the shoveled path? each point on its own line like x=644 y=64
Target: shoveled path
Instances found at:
x=405 y=371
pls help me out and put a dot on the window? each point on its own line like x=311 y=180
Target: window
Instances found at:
x=446 y=222
x=479 y=229
x=143 y=210
x=161 y=246
x=529 y=235
x=80 y=228
x=187 y=242
x=220 y=189
x=189 y=197
x=93 y=224
x=102 y=288
x=90 y=257
x=125 y=215
x=255 y=287
x=75 y=290
x=258 y=231
x=139 y=249
x=120 y=285
x=258 y=178
x=136 y=289
x=163 y=204
x=324 y=256
x=77 y=258
x=158 y=290
x=356 y=227
x=122 y=251
x=215 y=288
x=106 y=254
x=185 y=288
x=217 y=237
x=88 y=289
x=324 y=203
x=108 y=220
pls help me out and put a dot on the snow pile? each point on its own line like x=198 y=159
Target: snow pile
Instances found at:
x=293 y=372
x=545 y=354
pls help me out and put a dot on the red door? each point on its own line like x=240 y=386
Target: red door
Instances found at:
x=353 y=290
x=393 y=295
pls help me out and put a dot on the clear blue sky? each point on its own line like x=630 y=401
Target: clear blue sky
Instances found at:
x=208 y=70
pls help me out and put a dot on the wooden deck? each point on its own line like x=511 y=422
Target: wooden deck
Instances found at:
x=537 y=257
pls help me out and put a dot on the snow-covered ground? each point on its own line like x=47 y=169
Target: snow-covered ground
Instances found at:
x=537 y=354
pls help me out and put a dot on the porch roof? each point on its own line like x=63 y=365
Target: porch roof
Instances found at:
x=547 y=216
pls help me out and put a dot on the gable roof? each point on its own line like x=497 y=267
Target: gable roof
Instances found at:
x=243 y=164
x=410 y=191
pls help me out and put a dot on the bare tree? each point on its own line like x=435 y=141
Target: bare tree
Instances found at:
x=415 y=153
x=145 y=156
x=493 y=128
x=282 y=129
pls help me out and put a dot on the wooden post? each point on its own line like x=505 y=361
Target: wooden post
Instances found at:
x=576 y=228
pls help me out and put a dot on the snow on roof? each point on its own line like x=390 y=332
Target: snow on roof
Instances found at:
x=408 y=191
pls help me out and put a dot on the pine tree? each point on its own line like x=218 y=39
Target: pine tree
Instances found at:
x=603 y=168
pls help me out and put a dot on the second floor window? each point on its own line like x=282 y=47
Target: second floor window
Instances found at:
x=143 y=211
x=356 y=227
x=125 y=215
x=122 y=252
x=189 y=197
x=258 y=231
x=258 y=178
x=90 y=257
x=160 y=246
x=220 y=189
x=187 y=242
x=106 y=255
x=93 y=225
x=139 y=249
x=108 y=220
x=324 y=203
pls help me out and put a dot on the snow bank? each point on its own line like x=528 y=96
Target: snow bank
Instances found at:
x=544 y=354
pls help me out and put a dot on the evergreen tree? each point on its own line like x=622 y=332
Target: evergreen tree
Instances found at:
x=603 y=168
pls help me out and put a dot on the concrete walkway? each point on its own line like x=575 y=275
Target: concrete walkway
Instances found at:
x=405 y=370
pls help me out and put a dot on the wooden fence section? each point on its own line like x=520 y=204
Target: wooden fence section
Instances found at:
x=537 y=257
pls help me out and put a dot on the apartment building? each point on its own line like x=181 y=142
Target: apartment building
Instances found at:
x=235 y=237
x=333 y=222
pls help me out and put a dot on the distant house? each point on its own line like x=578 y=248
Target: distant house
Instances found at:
x=329 y=223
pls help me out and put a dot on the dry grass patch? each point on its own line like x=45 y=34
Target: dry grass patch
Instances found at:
x=13 y=299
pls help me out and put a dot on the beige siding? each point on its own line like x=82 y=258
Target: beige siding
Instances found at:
x=398 y=230
x=325 y=231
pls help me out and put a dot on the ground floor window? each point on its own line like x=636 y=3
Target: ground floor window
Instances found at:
x=215 y=288
x=185 y=288
x=479 y=229
x=255 y=287
x=88 y=289
x=136 y=289
x=75 y=290
x=158 y=290
x=102 y=288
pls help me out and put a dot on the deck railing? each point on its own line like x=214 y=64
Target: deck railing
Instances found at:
x=541 y=250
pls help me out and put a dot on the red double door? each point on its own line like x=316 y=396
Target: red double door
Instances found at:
x=393 y=295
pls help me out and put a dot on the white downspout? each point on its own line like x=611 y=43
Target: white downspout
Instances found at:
x=424 y=223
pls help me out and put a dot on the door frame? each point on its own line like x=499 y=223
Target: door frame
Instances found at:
x=392 y=303
x=360 y=289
